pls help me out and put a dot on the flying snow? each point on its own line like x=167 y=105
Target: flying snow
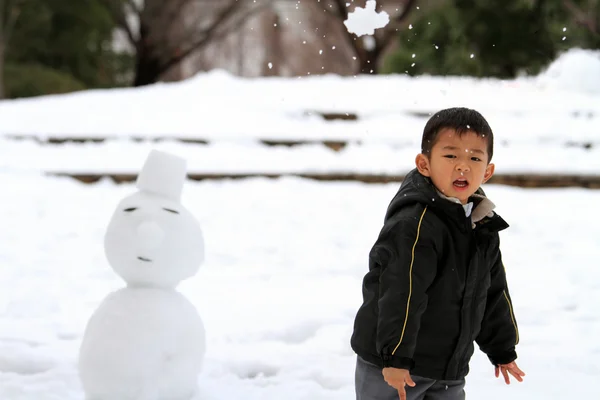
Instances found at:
x=364 y=21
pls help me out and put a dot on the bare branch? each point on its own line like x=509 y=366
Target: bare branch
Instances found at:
x=167 y=15
x=117 y=12
x=133 y=7
x=390 y=30
x=171 y=10
x=581 y=17
x=342 y=12
x=342 y=9
x=221 y=26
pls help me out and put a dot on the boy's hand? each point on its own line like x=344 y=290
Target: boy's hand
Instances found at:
x=512 y=369
x=397 y=378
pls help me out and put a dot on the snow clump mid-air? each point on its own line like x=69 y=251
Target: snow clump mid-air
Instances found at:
x=364 y=21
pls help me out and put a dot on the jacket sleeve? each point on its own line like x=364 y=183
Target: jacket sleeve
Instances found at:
x=499 y=333
x=407 y=257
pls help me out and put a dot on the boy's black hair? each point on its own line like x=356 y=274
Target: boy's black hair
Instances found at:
x=461 y=120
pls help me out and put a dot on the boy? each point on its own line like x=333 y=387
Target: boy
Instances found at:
x=436 y=282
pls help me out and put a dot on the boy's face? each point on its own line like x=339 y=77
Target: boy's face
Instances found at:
x=458 y=164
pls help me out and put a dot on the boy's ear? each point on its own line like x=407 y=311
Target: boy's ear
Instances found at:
x=489 y=172
x=422 y=163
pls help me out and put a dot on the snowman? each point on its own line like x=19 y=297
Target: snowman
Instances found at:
x=146 y=341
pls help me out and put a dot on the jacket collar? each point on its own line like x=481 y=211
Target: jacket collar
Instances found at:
x=417 y=188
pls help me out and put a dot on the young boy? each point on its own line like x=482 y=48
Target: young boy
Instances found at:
x=436 y=282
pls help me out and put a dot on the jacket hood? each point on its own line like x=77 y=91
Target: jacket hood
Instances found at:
x=417 y=188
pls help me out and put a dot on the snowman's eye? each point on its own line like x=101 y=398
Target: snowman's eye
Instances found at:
x=130 y=209
x=171 y=210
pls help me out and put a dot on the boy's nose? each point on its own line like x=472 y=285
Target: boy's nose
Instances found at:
x=463 y=167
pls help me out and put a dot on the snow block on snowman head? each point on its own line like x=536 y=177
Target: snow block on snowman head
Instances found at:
x=152 y=240
x=163 y=174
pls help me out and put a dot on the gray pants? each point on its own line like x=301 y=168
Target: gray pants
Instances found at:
x=370 y=385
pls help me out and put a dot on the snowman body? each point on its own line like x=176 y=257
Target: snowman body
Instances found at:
x=146 y=341
x=143 y=343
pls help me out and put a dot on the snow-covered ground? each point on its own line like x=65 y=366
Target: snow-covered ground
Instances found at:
x=285 y=257
x=281 y=284
x=124 y=156
x=218 y=106
x=541 y=124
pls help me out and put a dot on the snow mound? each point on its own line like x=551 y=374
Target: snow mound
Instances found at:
x=575 y=70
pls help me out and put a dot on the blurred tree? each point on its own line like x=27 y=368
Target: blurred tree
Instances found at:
x=164 y=33
x=67 y=43
x=72 y=37
x=433 y=44
x=578 y=22
x=508 y=39
x=9 y=13
x=288 y=38
x=25 y=80
x=478 y=38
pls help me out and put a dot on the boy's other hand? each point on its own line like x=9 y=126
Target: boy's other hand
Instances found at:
x=397 y=378
x=510 y=368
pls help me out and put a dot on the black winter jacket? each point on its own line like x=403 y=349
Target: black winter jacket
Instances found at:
x=435 y=285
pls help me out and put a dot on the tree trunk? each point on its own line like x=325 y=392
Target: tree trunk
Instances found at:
x=2 y=48
x=368 y=58
x=147 y=60
x=147 y=67
x=369 y=62
x=272 y=44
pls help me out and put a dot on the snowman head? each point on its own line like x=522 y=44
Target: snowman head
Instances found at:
x=152 y=240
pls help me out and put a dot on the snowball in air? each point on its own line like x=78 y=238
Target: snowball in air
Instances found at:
x=364 y=21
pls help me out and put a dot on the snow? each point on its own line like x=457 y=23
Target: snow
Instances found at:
x=576 y=70
x=252 y=158
x=146 y=340
x=163 y=174
x=284 y=258
x=281 y=284
x=364 y=21
x=218 y=106
x=547 y=124
x=152 y=239
x=142 y=343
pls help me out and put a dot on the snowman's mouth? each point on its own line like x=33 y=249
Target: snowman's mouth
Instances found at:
x=144 y=259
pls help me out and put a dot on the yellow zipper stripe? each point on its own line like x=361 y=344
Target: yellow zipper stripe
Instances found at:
x=412 y=260
x=512 y=316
